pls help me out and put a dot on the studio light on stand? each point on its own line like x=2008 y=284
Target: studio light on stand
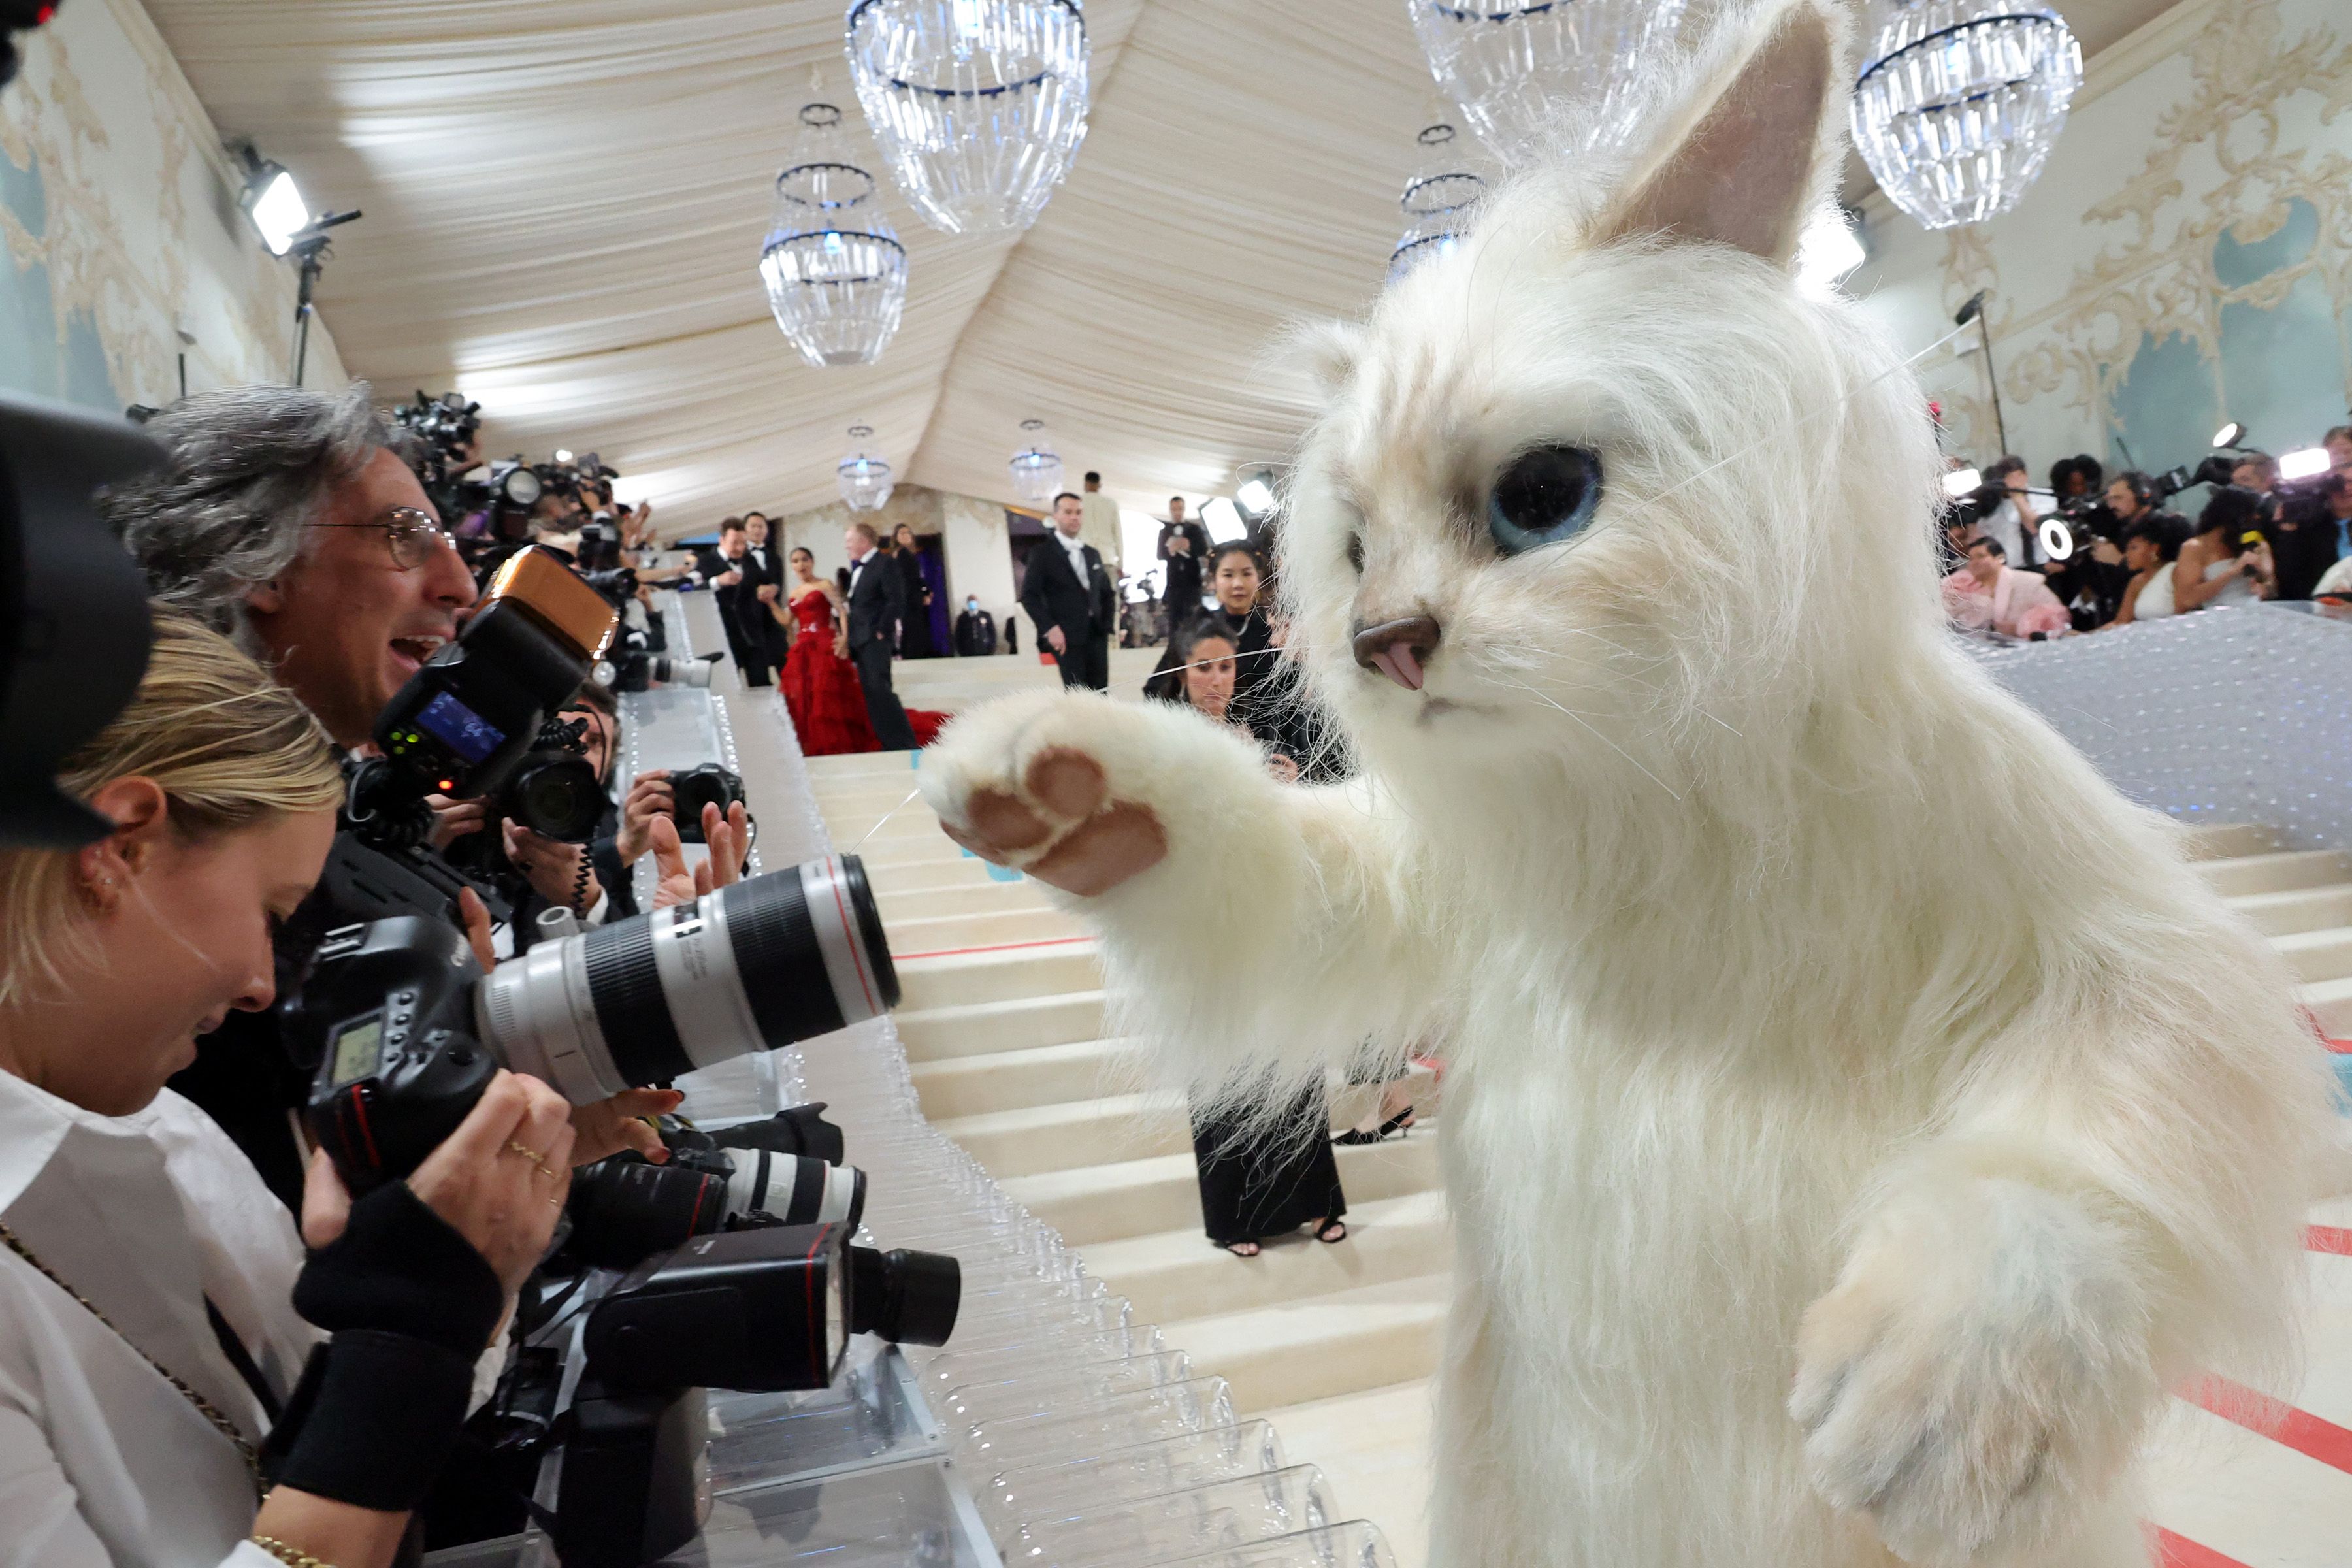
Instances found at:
x=864 y=477
x=1974 y=311
x=2230 y=437
x=1037 y=468
x=275 y=204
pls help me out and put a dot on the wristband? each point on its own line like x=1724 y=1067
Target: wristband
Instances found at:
x=371 y=1421
x=402 y=1269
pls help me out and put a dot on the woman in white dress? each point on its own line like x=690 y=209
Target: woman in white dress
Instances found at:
x=162 y=1403
x=2226 y=561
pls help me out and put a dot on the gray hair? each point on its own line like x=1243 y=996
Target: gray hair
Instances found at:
x=249 y=466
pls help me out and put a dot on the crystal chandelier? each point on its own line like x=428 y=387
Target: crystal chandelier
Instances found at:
x=1036 y=467
x=1511 y=67
x=978 y=105
x=836 y=272
x=1438 y=200
x=1961 y=102
x=864 y=478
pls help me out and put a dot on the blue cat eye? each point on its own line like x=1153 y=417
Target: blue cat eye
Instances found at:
x=1544 y=497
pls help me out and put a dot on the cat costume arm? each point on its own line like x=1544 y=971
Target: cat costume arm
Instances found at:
x=1270 y=919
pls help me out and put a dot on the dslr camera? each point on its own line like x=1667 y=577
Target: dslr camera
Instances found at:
x=690 y=791
x=407 y=1031
x=471 y=721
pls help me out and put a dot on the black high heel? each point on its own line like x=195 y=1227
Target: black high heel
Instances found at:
x=1401 y=1121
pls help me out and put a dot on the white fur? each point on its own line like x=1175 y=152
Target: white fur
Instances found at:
x=1816 y=1019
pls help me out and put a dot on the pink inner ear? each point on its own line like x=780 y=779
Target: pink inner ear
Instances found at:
x=1743 y=176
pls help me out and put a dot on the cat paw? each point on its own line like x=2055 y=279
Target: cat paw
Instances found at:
x=1078 y=792
x=1978 y=1374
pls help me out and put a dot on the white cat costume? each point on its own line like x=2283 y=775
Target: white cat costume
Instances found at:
x=1833 y=1179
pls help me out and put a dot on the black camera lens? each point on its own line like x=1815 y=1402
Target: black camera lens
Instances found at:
x=625 y=1209
x=557 y=794
x=907 y=1297
x=755 y=965
x=765 y=1309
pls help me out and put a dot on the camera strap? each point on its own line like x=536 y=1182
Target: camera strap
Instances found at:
x=204 y=1408
x=242 y=1360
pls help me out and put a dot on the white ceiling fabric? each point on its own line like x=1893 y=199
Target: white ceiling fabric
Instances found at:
x=565 y=201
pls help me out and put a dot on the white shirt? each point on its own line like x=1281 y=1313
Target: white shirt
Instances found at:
x=1075 y=549
x=1100 y=528
x=102 y=1463
x=858 y=564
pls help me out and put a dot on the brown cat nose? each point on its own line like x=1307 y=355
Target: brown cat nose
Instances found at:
x=1399 y=648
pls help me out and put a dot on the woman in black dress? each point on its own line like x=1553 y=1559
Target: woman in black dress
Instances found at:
x=1260 y=1175
x=915 y=631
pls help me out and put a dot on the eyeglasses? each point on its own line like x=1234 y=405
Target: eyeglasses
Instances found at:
x=411 y=535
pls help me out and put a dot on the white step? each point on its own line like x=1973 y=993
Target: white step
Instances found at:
x=1103 y=1202
x=2297 y=909
x=1324 y=1345
x=945 y=933
x=1105 y=1132
x=986 y=896
x=935 y=1033
x=2317 y=955
x=1373 y=1448
x=956 y=979
x=1180 y=1274
x=2276 y=871
x=1040 y=1075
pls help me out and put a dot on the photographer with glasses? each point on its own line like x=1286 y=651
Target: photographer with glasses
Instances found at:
x=292 y=522
x=179 y=1385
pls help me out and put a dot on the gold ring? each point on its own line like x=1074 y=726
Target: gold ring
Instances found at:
x=516 y=1145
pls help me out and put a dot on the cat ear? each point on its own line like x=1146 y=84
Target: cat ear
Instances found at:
x=1753 y=147
x=1327 y=351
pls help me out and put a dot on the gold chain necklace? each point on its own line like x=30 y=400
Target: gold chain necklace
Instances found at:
x=204 y=1408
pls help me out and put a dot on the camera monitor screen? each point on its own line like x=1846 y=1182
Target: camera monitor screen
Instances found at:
x=358 y=1048
x=459 y=728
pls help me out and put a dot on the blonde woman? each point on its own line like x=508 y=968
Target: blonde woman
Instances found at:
x=148 y=1280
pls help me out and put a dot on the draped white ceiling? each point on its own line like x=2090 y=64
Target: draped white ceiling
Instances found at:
x=565 y=201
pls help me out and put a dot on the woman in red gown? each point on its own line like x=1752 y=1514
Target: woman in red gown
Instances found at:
x=820 y=685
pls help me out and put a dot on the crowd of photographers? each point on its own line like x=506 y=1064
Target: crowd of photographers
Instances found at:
x=2094 y=550
x=365 y=855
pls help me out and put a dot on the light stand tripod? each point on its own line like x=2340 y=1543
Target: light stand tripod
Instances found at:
x=311 y=249
x=1974 y=311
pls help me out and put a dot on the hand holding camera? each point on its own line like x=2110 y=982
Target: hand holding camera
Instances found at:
x=727 y=838
x=504 y=1203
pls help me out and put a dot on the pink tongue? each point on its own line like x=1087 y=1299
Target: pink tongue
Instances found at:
x=1400 y=664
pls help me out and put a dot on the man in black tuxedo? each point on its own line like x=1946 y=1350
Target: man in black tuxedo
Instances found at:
x=1184 y=546
x=1069 y=594
x=741 y=613
x=877 y=603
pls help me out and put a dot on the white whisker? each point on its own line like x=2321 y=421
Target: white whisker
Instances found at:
x=1596 y=735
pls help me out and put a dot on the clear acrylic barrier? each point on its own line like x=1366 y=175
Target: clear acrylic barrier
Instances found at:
x=1358 y=1543
x=1119 y=1421
x=1172 y=1464
x=1225 y=1513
